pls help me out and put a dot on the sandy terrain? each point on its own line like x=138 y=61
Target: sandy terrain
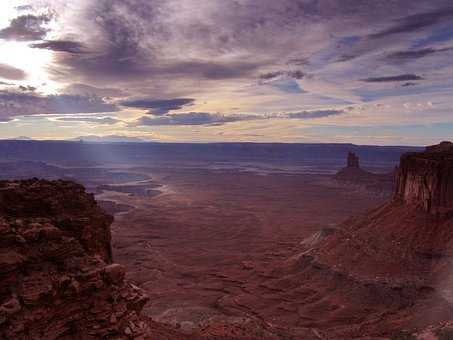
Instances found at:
x=204 y=248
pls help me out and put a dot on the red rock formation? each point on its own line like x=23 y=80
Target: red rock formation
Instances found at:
x=390 y=269
x=352 y=161
x=355 y=175
x=57 y=279
x=425 y=179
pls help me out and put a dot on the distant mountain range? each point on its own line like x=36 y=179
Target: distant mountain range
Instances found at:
x=91 y=139
x=20 y=138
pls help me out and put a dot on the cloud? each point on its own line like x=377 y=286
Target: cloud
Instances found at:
x=190 y=118
x=408 y=84
x=60 y=46
x=415 y=54
x=255 y=56
x=125 y=42
x=160 y=106
x=26 y=88
x=11 y=73
x=205 y=118
x=271 y=75
x=94 y=120
x=401 y=77
x=27 y=27
x=314 y=114
x=24 y=7
x=20 y=104
x=87 y=90
x=416 y=22
x=295 y=74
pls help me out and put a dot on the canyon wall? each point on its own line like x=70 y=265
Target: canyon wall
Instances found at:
x=57 y=279
x=425 y=179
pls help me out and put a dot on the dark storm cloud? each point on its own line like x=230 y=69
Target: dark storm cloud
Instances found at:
x=27 y=27
x=416 y=22
x=11 y=73
x=60 y=46
x=94 y=120
x=29 y=103
x=401 y=77
x=158 y=107
x=206 y=118
x=415 y=54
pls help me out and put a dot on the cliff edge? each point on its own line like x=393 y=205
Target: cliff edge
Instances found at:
x=57 y=279
x=390 y=269
x=425 y=179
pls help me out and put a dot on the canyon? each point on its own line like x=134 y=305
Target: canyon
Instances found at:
x=223 y=254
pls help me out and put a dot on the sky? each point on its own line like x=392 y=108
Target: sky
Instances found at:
x=322 y=71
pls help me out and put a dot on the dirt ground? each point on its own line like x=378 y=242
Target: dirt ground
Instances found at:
x=205 y=248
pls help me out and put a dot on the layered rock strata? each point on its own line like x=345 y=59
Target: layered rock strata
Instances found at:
x=425 y=179
x=57 y=279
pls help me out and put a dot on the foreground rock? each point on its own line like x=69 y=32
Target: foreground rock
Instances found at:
x=57 y=279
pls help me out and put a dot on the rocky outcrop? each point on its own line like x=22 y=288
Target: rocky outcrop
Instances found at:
x=352 y=160
x=353 y=174
x=425 y=179
x=352 y=171
x=57 y=279
x=390 y=269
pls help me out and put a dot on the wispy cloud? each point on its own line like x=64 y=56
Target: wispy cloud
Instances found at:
x=60 y=46
x=92 y=120
x=11 y=73
x=400 y=77
x=205 y=118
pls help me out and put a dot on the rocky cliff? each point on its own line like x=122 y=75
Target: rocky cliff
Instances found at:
x=390 y=269
x=425 y=179
x=57 y=279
